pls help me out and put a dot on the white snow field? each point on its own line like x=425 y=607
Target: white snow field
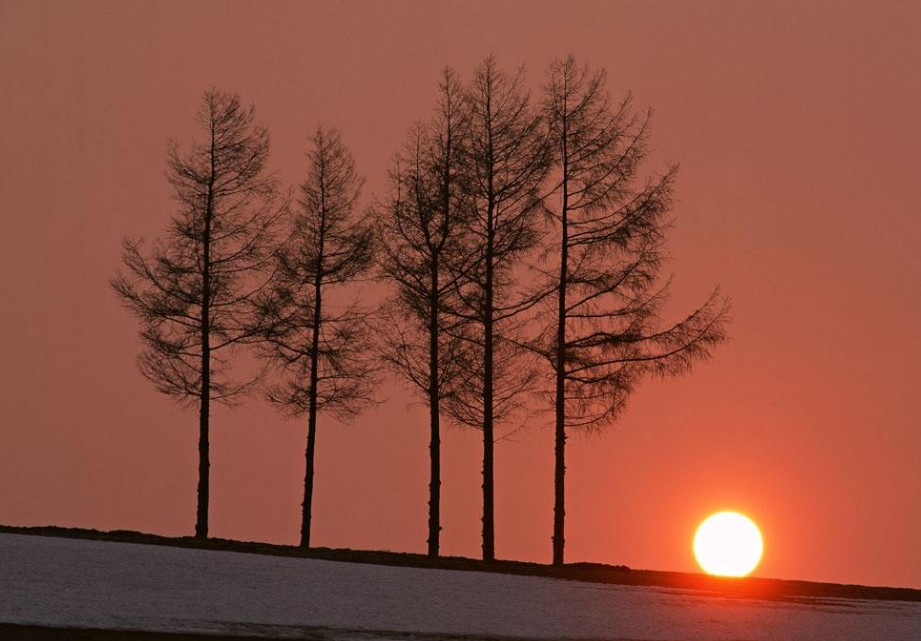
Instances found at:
x=96 y=584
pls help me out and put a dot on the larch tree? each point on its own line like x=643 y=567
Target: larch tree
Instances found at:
x=192 y=290
x=606 y=332
x=506 y=163
x=421 y=226
x=316 y=332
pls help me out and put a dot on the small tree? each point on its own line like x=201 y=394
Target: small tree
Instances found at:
x=421 y=227
x=318 y=344
x=192 y=290
x=507 y=161
x=606 y=333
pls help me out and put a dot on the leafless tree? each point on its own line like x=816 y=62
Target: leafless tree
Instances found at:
x=191 y=291
x=421 y=226
x=610 y=227
x=507 y=161
x=318 y=341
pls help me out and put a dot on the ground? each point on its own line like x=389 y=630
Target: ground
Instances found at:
x=52 y=583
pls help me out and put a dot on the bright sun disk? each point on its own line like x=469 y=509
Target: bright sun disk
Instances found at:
x=728 y=544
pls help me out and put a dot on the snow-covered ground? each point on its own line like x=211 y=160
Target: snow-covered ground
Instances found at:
x=80 y=583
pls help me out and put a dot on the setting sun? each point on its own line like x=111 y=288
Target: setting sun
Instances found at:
x=728 y=544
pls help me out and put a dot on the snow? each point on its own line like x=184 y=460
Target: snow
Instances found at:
x=81 y=583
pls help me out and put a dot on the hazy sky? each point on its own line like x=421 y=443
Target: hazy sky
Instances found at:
x=797 y=127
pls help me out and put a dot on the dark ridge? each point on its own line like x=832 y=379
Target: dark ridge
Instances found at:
x=749 y=587
x=15 y=632
x=21 y=632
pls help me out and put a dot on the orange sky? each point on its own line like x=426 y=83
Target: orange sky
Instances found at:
x=797 y=129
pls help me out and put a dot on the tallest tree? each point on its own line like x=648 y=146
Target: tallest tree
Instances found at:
x=193 y=289
x=606 y=332
x=506 y=163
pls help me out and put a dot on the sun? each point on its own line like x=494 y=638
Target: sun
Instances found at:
x=728 y=544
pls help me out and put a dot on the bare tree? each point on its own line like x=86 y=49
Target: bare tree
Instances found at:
x=318 y=342
x=421 y=227
x=506 y=163
x=192 y=290
x=606 y=333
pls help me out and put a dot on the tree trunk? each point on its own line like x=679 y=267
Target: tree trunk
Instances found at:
x=204 y=465
x=204 y=444
x=489 y=534
x=311 y=417
x=559 y=450
x=434 y=421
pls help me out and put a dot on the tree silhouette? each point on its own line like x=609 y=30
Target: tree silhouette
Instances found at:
x=610 y=227
x=192 y=290
x=318 y=344
x=507 y=161
x=421 y=226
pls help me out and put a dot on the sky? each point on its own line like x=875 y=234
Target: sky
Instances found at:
x=796 y=129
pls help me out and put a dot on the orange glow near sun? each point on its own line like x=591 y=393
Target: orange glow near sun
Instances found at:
x=728 y=544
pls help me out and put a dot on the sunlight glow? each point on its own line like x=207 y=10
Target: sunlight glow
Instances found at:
x=728 y=544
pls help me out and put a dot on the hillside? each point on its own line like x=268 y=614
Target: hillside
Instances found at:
x=49 y=584
x=752 y=587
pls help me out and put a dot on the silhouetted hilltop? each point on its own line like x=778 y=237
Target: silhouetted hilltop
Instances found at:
x=749 y=587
